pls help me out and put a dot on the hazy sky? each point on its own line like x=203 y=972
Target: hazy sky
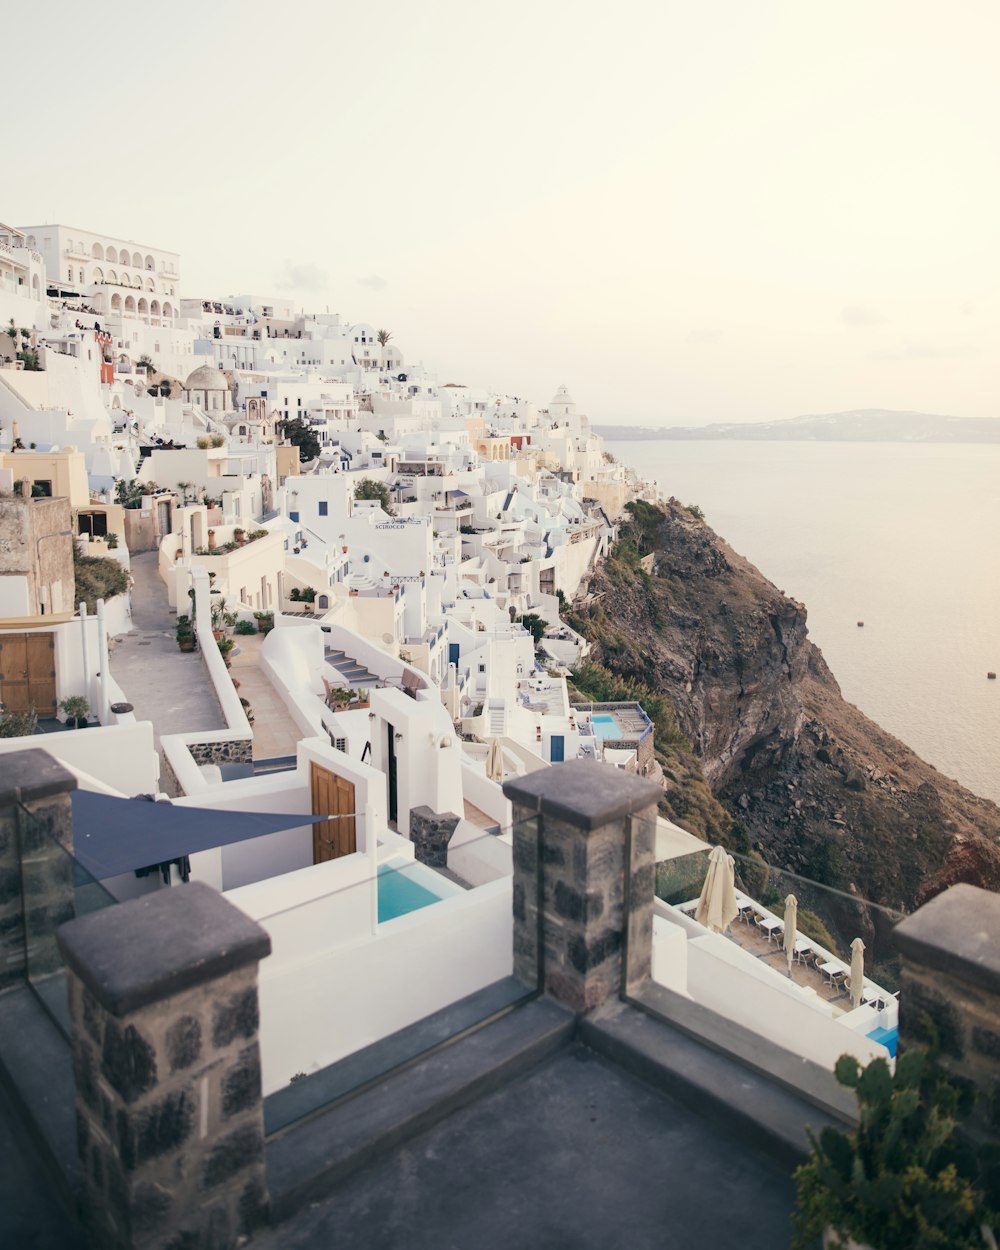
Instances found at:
x=687 y=210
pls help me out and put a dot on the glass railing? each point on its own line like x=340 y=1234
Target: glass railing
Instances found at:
x=366 y=979
x=743 y=950
x=55 y=887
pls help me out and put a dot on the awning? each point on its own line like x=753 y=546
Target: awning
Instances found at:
x=672 y=841
x=113 y=836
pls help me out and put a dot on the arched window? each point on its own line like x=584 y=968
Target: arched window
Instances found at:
x=136 y=260
x=323 y=601
x=69 y=246
x=98 y=273
x=97 y=252
x=168 y=310
x=112 y=277
x=150 y=284
x=116 y=303
x=81 y=274
x=112 y=255
x=129 y=304
x=149 y=263
x=30 y=241
x=142 y=308
x=126 y=280
x=154 y=308
x=34 y=285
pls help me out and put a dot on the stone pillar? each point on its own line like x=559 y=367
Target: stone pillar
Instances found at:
x=950 y=986
x=430 y=833
x=584 y=876
x=163 y=1002
x=36 y=883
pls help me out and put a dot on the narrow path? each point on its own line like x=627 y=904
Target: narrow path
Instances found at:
x=274 y=731
x=164 y=685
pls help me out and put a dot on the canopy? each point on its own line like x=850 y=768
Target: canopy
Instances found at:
x=672 y=841
x=113 y=836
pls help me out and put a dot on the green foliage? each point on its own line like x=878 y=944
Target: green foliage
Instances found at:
x=368 y=489
x=245 y=627
x=598 y=684
x=904 y=1180
x=129 y=494
x=97 y=577
x=300 y=434
x=76 y=707
x=18 y=724
x=184 y=628
x=535 y=625
x=695 y=511
x=145 y=362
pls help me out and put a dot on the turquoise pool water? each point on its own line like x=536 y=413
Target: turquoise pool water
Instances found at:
x=886 y=1037
x=605 y=726
x=398 y=894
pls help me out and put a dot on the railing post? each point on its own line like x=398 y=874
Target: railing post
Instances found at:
x=950 y=989
x=163 y=1003
x=584 y=875
x=36 y=891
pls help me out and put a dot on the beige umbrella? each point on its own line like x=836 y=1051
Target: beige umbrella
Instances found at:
x=791 y=928
x=717 y=906
x=857 y=971
x=494 y=761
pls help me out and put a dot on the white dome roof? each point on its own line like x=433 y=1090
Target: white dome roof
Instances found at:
x=562 y=396
x=207 y=379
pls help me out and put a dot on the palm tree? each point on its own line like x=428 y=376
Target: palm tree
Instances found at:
x=383 y=337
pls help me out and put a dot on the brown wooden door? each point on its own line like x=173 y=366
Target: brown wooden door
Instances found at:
x=28 y=673
x=332 y=794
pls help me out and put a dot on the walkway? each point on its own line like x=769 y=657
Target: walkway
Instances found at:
x=164 y=685
x=274 y=731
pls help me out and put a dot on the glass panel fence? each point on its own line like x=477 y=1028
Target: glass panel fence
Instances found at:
x=809 y=968
x=55 y=888
x=367 y=978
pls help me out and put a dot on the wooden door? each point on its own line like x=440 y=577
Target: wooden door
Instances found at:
x=332 y=794
x=28 y=673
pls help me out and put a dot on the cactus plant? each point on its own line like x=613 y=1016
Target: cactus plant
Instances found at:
x=904 y=1180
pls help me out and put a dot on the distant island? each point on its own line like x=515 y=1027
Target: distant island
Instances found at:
x=864 y=425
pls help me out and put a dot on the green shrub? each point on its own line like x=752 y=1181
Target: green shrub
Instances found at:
x=18 y=724
x=245 y=627
x=98 y=577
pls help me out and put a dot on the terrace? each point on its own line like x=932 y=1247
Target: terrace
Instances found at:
x=616 y=1104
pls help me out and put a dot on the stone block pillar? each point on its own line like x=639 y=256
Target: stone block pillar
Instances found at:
x=584 y=876
x=163 y=1002
x=36 y=884
x=950 y=986
x=430 y=833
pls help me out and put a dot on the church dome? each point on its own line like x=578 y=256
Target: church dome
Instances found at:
x=207 y=379
x=562 y=396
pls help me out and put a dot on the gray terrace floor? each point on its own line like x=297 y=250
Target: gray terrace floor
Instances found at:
x=30 y=1217
x=574 y=1154
x=164 y=685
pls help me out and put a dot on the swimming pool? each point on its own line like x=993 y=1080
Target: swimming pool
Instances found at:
x=399 y=892
x=886 y=1037
x=605 y=726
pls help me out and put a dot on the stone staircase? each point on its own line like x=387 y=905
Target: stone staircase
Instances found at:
x=353 y=673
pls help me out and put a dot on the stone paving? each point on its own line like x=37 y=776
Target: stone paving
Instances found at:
x=166 y=686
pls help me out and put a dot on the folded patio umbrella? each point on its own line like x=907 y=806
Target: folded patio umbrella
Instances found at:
x=857 y=971
x=791 y=928
x=717 y=907
x=494 y=761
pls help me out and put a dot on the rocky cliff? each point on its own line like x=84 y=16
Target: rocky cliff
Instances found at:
x=818 y=787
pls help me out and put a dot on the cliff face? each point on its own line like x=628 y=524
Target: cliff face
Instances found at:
x=820 y=788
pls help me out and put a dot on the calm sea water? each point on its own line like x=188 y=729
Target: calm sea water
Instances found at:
x=904 y=538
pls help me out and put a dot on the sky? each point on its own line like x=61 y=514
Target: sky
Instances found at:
x=729 y=210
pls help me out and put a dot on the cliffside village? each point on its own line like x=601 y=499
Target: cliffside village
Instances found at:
x=327 y=583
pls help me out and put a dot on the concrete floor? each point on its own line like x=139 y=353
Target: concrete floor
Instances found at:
x=575 y=1155
x=274 y=731
x=30 y=1216
x=164 y=685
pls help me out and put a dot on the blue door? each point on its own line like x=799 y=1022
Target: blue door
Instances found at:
x=453 y=653
x=556 y=749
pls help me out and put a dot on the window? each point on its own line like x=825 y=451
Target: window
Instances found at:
x=323 y=508
x=93 y=523
x=482 y=668
x=340 y=744
x=293 y=516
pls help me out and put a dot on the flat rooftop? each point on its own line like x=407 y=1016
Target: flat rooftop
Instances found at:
x=576 y=1153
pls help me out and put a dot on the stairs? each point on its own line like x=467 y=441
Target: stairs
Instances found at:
x=496 y=718
x=350 y=670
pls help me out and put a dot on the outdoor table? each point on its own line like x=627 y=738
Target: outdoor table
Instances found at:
x=770 y=925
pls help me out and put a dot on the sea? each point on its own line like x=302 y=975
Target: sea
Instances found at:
x=904 y=537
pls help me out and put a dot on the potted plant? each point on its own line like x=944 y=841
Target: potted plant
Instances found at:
x=265 y=622
x=226 y=645
x=76 y=708
x=905 y=1179
x=185 y=634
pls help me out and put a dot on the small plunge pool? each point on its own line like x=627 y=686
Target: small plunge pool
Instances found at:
x=404 y=886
